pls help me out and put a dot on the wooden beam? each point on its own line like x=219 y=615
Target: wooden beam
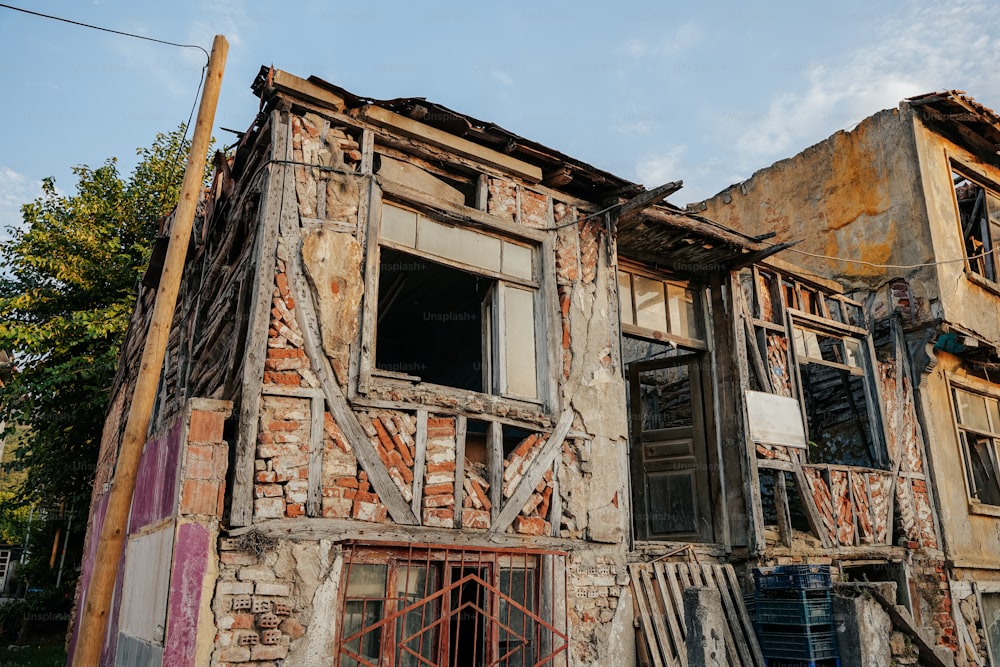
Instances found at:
x=533 y=475
x=99 y=594
x=314 y=503
x=412 y=128
x=461 y=424
x=241 y=506
x=633 y=207
x=289 y=83
x=419 y=461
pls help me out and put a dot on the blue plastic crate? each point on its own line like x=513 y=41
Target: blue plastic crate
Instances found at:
x=798 y=646
x=792 y=577
x=804 y=611
x=826 y=662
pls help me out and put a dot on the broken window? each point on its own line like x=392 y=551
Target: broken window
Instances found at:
x=438 y=606
x=979 y=218
x=837 y=397
x=456 y=306
x=978 y=419
x=651 y=306
x=991 y=622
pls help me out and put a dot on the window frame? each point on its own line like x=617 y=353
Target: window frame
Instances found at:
x=991 y=260
x=799 y=319
x=990 y=391
x=366 y=377
x=632 y=327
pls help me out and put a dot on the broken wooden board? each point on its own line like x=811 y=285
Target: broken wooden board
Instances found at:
x=658 y=589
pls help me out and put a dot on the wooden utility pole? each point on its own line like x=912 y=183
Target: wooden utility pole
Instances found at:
x=97 y=597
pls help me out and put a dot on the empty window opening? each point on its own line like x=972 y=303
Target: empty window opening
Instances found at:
x=979 y=217
x=837 y=399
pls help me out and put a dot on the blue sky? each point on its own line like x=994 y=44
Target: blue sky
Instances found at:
x=706 y=92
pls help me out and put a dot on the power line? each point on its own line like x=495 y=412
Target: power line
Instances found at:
x=97 y=27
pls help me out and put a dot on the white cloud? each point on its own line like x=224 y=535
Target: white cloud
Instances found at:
x=935 y=47
x=681 y=39
x=659 y=168
x=502 y=77
x=15 y=191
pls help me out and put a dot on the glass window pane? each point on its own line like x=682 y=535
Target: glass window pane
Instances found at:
x=460 y=245
x=991 y=620
x=972 y=410
x=417 y=628
x=517 y=260
x=625 y=297
x=651 y=309
x=991 y=404
x=683 y=311
x=517 y=629
x=519 y=341
x=363 y=607
x=982 y=460
x=399 y=225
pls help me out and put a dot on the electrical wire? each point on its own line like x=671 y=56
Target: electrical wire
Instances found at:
x=97 y=27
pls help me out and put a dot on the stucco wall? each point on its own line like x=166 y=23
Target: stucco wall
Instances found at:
x=854 y=195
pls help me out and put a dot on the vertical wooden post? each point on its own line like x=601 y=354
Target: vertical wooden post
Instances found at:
x=98 y=595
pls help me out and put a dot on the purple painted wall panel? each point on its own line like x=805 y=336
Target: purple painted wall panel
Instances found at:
x=191 y=552
x=87 y=567
x=111 y=639
x=156 y=482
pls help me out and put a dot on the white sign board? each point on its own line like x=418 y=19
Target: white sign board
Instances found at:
x=775 y=420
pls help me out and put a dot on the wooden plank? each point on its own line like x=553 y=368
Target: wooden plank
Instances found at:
x=671 y=611
x=266 y=247
x=494 y=468
x=781 y=505
x=369 y=314
x=419 y=461
x=314 y=502
x=745 y=623
x=644 y=614
x=663 y=638
x=345 y=418
x=290 y=83
x=676 y=594
x=294 y=392
x=461 y=424
x=533 y=475
x=732 y=627
x=412 y=128
x=635 y=206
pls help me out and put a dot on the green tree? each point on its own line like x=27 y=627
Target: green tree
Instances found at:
x=68 y=284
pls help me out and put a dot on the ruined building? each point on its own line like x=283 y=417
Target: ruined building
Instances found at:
x=437 y=394
x=912 y=195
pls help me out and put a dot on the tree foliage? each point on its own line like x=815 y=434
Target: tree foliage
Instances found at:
x=68 y=279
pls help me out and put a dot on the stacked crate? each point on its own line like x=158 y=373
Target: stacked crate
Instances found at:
x=794 y=616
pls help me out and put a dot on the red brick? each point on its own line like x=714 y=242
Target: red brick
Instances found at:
x=206 y=426
x=242 y=622
x=288 y=378
x=447 y=466
x=285 y=353
x=383 y=435
x=266 y=477
x=349 y=482
x=295 y=509
x=200 y=462
x=403 y=450
x=530 y=525
x=478 y=519
x=439 y=515
x=201 y=497
x=281 y=280
x=438 y=489
x=267 y=490
x=283 y=426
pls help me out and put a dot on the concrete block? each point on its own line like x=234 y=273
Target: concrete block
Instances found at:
x=706 y=643
x=864 y=631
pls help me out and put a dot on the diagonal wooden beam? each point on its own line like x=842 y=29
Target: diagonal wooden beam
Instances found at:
x=633 y=207
x=533 y=475
x=305 y=312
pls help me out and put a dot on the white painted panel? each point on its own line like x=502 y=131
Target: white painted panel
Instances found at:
x=144 y=590
x=775 y=420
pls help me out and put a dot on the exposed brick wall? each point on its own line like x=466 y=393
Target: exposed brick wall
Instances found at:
x=439 y=473
x=533 y=519
x=254 y=612
x=282 y=464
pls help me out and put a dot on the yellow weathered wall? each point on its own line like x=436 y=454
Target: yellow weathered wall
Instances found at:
x=854 y=195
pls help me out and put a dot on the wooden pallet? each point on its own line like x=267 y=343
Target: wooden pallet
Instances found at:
x=658 y=590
